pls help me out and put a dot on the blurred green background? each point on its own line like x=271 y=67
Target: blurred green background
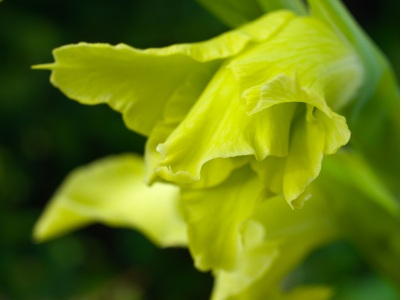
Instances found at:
x=43 y=136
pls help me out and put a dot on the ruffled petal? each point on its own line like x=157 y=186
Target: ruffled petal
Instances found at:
x=303 y=163
x=111 y=191
x=213 y=173
x=312 y=136
x=215 y=217
x=218 y=127
x=307 y=62
x=319 y=70
x=251 y=107
x=141 y=83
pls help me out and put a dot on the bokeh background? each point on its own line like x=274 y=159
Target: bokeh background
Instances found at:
x=43 y=136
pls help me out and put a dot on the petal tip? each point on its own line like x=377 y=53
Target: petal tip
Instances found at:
x=43 y=67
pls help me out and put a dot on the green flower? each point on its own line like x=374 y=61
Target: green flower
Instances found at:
x=235 y=126
x=263 y=94
x=256 y=100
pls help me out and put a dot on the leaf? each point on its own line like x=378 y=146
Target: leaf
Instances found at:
x=233 y=13
x=366 y=211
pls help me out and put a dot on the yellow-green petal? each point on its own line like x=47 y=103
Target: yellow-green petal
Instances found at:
x=136 y=83
x=111 y=191
x=250 y=104
x=254 y=261
x=306 y=62
x=218 y=127
x=310 y=139
x=288 y=237
x=215 y=219
x=140 y=84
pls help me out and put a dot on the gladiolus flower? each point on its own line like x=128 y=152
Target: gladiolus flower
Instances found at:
x=236 y=125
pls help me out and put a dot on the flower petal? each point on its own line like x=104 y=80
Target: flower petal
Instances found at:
x=111 y=191
x=270 y=78
x=218 y=127
x=214 y=171
x=254 y=261
x=141 y=83
x=313 y=135
x=285 y=238
x=306 y=62
x=134 y=82
x=215 y=217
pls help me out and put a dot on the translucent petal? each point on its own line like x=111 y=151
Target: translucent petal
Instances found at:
x=215 y=217
x=141 y=83
x=111 y=191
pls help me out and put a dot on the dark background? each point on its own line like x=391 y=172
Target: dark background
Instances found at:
x=43 y=136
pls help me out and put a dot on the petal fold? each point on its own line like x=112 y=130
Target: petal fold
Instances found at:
x=218 y=127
